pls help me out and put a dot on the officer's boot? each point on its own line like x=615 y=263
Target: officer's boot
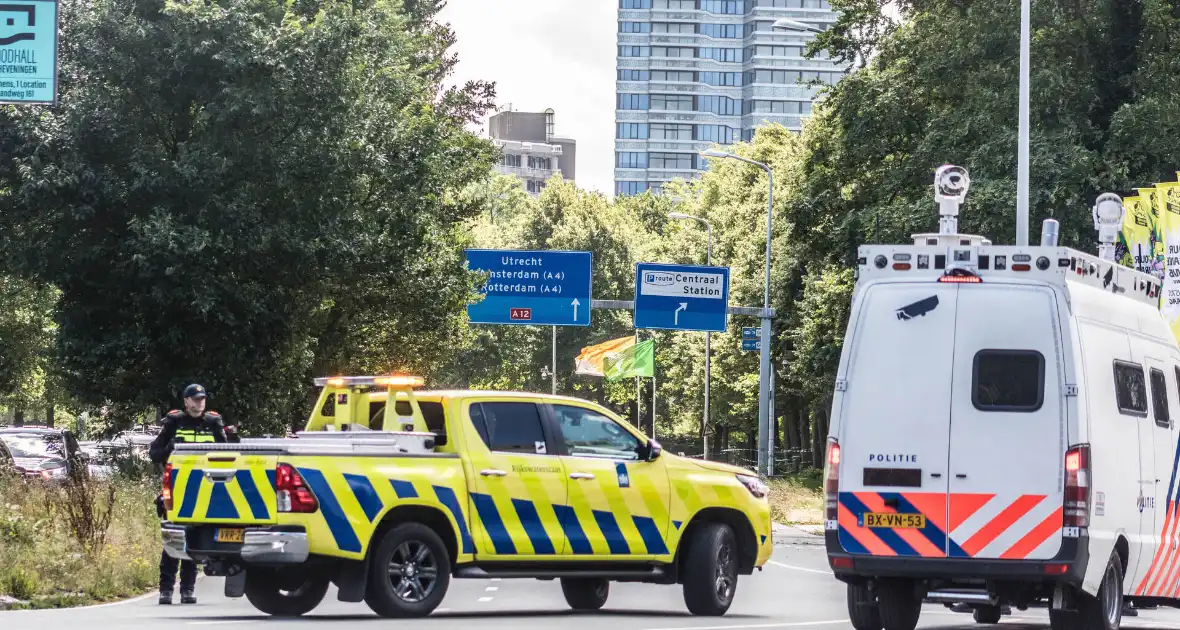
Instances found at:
x=166 y=597
x=187 y=596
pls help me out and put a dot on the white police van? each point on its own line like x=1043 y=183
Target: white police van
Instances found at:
x=1001 y=430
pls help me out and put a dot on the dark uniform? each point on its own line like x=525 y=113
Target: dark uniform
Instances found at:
x=180 y=426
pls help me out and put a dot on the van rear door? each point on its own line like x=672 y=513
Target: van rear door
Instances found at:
x=1008 y=430
x=894 y=422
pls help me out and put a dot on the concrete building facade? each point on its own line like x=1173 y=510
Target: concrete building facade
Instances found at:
x=531 y=149
x=694 y=73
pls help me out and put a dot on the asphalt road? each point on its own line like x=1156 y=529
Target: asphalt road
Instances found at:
x=795 y=590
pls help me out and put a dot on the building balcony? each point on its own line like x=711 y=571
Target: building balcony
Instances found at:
x=525 y=172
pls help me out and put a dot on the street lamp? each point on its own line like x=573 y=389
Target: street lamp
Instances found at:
x=786 y=24
x=764 y=412
x=708 y=335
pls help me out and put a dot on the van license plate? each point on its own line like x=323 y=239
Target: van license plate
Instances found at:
x=229 y=535
x=878 y=520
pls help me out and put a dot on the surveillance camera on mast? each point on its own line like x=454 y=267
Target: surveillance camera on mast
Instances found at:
x=1108 y=214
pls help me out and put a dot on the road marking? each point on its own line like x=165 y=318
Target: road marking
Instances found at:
x=218 y=623
x=496 y=579
x=485 y=599
x=795 y=568
x=492 y=588
x=794 y=624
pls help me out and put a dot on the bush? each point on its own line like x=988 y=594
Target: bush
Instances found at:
x=88 y=541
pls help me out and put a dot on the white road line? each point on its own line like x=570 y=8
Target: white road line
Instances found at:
x=795 y=568
x=485 y=599
x=496 y=579
x=794 y=624
x=492 y=588
x=219 y=623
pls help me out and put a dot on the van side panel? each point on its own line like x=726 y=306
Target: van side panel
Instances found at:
x=1008 y=425
x=893 y=424
x=1114 y=452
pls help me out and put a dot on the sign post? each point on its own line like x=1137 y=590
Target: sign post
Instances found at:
x=28 y=52
x=681 y=297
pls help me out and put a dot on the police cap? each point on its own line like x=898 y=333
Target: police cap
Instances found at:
x=195 y=391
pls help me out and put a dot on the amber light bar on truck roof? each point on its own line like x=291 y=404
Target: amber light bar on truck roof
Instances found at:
x=395 y=380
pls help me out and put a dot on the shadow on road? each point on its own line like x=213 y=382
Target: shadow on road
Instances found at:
x=480 y=614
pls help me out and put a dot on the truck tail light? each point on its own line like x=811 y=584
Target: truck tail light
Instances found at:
x=166 y=490
x=1077 y=487
x=291 y=491
x=832 y=481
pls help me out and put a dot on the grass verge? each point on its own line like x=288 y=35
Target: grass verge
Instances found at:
x=797 y=499
x=60 y=548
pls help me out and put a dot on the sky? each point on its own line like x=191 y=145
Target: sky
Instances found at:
x=547 y=53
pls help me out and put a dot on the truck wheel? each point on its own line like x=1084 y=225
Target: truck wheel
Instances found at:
x=284 y=593
x=710 y=570
x=1104 y=612
x=409 y=572
x=898 y=606
x=585 y=593
x=862 y=608
x=987 y=614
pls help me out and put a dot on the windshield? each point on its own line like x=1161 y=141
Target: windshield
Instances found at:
x=34 y=445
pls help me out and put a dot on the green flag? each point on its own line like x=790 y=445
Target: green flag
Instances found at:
x=638 y=360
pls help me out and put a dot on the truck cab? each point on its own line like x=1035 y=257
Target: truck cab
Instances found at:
x=977 y=447
x=392 y=491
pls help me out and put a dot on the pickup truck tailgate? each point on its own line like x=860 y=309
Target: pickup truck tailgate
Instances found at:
x=223 y=487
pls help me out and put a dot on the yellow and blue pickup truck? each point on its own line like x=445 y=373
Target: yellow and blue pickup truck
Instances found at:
x=390 y=492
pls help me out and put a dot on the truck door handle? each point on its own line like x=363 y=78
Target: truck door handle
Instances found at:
x=936 y=475
x=219 y=476
x=961 y=476
x=492 y=472
x=581 y=475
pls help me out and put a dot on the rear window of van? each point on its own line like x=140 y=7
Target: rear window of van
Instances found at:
x=1008 y=380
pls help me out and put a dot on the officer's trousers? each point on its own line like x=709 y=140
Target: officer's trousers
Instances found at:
x=168 y=566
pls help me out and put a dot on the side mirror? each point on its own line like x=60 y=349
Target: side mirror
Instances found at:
x=650 y=451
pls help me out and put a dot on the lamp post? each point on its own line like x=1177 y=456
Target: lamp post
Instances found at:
x=764 y=411
x=786 y=24
x=708 y=335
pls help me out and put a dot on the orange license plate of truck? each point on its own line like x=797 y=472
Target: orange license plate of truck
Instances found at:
x=876 y=520
x=230 y=534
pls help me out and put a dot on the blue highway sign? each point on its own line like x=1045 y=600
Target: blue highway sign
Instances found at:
x=28 y=52
x=681 y=297
x=751 y=332
x=751 y=345
x=539 y=288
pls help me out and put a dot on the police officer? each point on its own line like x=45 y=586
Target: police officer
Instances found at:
x=194 y=424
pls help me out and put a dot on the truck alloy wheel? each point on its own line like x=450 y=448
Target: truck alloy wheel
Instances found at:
x=409 y=572
x=710 y=569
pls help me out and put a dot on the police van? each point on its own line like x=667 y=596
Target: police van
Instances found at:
x=1001 y=430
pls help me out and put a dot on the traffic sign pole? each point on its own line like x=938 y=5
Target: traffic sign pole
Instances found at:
x=555 y=360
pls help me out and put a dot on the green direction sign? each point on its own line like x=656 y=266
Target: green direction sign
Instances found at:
x=28 y=52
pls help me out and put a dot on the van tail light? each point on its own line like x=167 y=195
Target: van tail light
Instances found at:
x=166 y=490
x=1077 y=487
x=291 y=491
x=832 y=481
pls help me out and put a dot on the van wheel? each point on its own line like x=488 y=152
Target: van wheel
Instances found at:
x=284 y=593
x=1104 y=612
x=898 y=606
x=862 y=608
x=409 y=572
x=585 y=593
x=987 y=614
x=711 y=570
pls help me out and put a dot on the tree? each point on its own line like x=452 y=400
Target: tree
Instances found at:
x=26 y=335
x=244 y=194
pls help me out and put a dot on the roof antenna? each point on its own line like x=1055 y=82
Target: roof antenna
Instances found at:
x=1108 y=213
x=950 y=191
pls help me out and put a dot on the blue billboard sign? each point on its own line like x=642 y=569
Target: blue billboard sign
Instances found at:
x=681 y=297
x=28 y=52
x=539 y=288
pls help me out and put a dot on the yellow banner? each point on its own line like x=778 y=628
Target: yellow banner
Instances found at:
x=1167 y=204
x=591 y=358
x=1133 y=237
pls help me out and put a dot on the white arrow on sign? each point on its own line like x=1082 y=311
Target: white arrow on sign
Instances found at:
x=575 y=304
x=676 y=315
